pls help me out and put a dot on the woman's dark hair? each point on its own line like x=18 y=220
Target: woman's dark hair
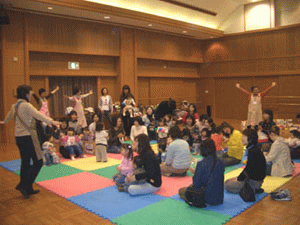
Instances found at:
x=96 y=114
x=126 y=87
x=129 y=148
x=253 y=87
x=208 y=148
x=298 y=116
x=275 y=130
x=144 y=146
x=208 y=133
x=139 y=120
x=175 y=133
x=252 y=136
x=75 y=90
x=203 y=116
x=295 y=133
x=162 y=120
x=22 y=91
x=227 y=125
x=73 y=112
x=41 y=91
x=195 y=109
x=270 y=113
x=137 y=160
x=99 y=127
x=71 y=129
x=190 y=117
x=210 y=121
x=115 y=120
x=217 y=130
x=103 y=90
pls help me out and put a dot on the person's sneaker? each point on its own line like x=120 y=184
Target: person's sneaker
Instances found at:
x=281 y=195
x=259 y=191
x=121 y=189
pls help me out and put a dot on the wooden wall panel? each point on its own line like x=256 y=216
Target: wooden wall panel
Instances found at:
x=162 y=68
x=51 y=34
x=153 y=45
x=144 y=91
x=56 y=64
x=12 y=71
x=127 y=63
x=179 y=89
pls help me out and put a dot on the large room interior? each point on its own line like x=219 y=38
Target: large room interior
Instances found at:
x=192 y=50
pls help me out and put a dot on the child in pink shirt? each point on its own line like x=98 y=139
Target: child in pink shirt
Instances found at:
x=70 y=144
x=125 y=168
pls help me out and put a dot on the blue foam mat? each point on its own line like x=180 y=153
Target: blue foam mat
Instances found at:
x=109 y=203
x=13 y=166
x=233 y=204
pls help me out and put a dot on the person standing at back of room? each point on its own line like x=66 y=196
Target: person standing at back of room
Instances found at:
x=255 y=106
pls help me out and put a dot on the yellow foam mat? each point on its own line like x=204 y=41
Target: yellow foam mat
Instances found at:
x=90 y=163
x=233 y=173
x=270 y=183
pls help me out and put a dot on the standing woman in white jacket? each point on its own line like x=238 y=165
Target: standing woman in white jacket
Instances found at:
x=105 y=105
x=25 y=116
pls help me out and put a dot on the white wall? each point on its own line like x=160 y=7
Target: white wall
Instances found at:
x=235 y=22
x=287 y=12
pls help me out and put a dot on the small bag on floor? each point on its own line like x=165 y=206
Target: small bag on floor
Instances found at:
x=247 y=193
x=195 y=197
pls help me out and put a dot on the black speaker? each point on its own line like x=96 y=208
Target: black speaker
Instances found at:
x=4 y=20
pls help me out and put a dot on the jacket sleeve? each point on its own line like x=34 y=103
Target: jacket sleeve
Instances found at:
x=10 y=114
x=272 y=155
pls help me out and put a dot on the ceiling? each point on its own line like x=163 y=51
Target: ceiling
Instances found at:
x=143 y=14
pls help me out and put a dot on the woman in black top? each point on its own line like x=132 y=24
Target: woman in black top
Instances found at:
x=127 y=120
x=115 y=135
x=255 y=169
x=151 y=165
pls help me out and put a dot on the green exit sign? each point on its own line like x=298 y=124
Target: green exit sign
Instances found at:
x=73 y=65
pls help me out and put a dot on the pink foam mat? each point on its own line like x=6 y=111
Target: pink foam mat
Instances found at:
x=297 y=170
x=171 y=185
x=76 y=184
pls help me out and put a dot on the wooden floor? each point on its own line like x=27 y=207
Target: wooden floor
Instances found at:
x=48 y=208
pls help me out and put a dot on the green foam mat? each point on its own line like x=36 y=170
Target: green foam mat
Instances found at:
x=171 y=212
x=55 y=171
x=107 y=172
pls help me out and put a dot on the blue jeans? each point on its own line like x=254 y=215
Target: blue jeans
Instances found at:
x=73 y=150
x=106 y=113
x=140 y=189
x=49 y=159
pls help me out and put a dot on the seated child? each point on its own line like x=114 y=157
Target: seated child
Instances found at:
x=125 y=168
x=50 y=156
x=217 y=137
x=294 y=144
x=129 y=104
x=88 y=141
x=152 y=130
x=137 y=164
x=71 y=148
x=101 y=143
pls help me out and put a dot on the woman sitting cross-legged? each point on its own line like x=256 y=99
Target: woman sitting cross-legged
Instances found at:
x=209 y=174
x=150 y=164
x=255 y=170
x=178 y=155
x=235 y=146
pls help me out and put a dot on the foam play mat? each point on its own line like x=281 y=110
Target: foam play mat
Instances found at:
x=89 y=185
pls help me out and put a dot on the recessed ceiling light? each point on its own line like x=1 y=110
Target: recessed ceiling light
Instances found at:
x=150 y=25
x=50 y=8
x=184 y=31
x=107 y=17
